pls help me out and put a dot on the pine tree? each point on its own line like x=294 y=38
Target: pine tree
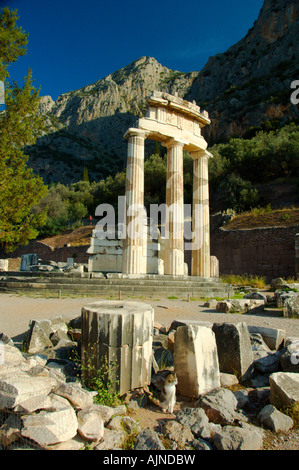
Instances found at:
x=13 y=40
x=20 y=125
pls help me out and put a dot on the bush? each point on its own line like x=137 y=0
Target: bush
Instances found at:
x=237 y=194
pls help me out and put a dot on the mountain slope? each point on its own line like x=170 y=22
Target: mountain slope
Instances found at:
x=250 y=82
x=86 y=126
x=241 y=88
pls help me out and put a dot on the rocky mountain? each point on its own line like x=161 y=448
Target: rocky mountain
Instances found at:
x=242 y=88
x=250 y=83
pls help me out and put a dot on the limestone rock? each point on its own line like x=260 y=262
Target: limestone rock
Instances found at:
x=178 y=433
x=148 y=440
x=273 y=337
x=233 y=347
x=220 y=406
x=196 y=420
x=11 y=355
x=7 y=370
x=256 y=296
x=76 y=443
x=38 y=339
x=48 y=428
x=15 y=390
x=196 y=360
x=274 y=420
x=227 y=380
x=58 y=335
x=111 y=440
x=10 y=431
x=90 y=424
x=78 y=396
x=123 y=423
x=238 y=438
x=5 y=339
x=106 y=412
x=201 y=444
x=267 y=364
x=240 y=306
x=284 y=389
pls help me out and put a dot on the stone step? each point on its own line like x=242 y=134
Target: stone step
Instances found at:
x=149 y=285
x=159 y=281
x=35 y=288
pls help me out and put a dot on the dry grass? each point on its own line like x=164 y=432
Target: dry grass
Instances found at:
x=265 y=217
x=243 y=280
x=79 y=237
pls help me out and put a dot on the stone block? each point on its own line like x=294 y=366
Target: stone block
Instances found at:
x=195 y=360
x=233 y=347
x=273 y=337
x=284 y=389
x=48 y=428
x=240 y=306
x=119 y=335
x=15 y=390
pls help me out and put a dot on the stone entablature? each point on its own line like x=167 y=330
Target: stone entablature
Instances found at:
x=171 y=117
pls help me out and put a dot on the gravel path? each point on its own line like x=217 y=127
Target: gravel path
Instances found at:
x=16 y=311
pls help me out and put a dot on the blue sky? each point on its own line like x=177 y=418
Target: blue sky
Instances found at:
x=73 y=43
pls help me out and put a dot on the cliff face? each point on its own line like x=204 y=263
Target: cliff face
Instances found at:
x=243 y=87
x=250 y=82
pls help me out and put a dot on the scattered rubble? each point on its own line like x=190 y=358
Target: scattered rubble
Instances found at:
x=44 y=405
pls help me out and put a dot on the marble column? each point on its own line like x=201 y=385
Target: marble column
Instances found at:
x=133 y=261
x=174 y=233
x=200 y=257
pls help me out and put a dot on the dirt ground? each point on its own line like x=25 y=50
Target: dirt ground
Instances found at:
x=16 y=311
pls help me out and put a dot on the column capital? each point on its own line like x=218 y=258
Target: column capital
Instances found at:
x=134 y=131
x=200 y=153
x=173 y=143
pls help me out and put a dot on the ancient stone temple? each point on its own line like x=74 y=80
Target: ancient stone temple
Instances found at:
x=177 y=124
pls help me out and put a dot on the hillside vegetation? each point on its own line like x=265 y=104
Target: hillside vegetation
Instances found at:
x=238 y=172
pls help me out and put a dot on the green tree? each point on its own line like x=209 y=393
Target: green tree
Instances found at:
x=20 y=124
x=13 y=40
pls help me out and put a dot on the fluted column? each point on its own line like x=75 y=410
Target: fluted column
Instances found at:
x=174 y=234
x=133 y=261
x=200 y=261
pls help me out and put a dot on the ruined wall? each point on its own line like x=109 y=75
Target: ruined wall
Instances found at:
x=45 y=252
x=268 y=252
